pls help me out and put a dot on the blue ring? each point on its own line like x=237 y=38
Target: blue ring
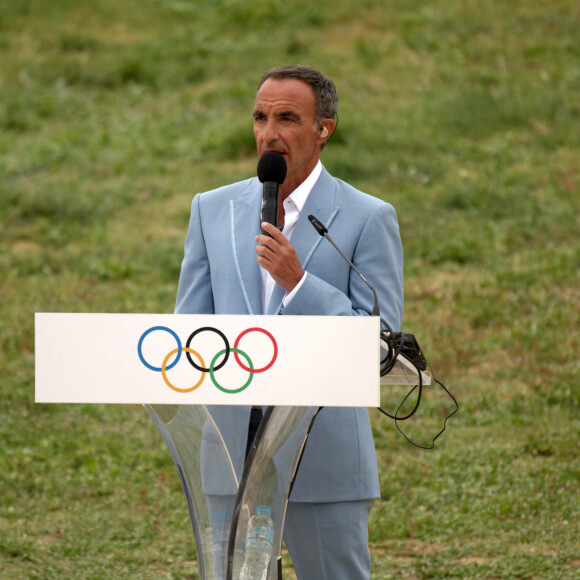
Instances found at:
x=140 y=347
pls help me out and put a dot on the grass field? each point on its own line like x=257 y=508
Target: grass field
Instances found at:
x=464 y=114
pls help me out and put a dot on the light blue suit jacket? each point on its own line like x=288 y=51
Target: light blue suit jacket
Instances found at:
x=220 y=275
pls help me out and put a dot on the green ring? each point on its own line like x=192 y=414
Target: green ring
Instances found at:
x=223 y=389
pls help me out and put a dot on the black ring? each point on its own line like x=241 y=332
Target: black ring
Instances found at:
x=212 y=329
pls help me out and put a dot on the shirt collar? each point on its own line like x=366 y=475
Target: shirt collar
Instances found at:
x=301 y=193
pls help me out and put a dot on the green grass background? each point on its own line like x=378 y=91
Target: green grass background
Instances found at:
x=464 y=114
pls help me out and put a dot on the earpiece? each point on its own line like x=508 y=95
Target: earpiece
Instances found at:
x=323 y=132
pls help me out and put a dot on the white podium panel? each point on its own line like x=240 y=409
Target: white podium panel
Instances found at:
x=207 y=360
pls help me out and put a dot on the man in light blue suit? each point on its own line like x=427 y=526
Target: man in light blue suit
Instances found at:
x=230 y=268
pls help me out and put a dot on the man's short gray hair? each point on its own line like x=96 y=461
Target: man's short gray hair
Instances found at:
x=324 y=87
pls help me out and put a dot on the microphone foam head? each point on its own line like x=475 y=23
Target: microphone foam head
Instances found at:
x=272 y=167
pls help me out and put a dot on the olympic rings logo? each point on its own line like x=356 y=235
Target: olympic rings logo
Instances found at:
x=200 y=365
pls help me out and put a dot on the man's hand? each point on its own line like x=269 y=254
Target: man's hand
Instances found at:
x=277 y=255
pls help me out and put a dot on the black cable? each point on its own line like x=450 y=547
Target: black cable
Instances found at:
x=395 y=347
x=389 y=338
x=396 y=417
x=444 y=422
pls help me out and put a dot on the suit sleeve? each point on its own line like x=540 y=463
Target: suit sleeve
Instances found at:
x=379 y=256
x=194 y=292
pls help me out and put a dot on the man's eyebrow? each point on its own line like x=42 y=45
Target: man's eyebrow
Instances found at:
x=289 y=113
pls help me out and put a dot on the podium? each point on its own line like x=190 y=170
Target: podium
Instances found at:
x=188 y=369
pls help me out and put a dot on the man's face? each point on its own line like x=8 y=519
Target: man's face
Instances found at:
x=284 y=122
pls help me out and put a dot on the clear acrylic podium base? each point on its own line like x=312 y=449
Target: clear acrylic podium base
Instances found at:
x=220 y=521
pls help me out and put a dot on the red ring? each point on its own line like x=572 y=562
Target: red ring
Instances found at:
x=242 y=365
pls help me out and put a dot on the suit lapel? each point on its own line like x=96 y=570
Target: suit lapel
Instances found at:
x=244 y=227
x=321 y=203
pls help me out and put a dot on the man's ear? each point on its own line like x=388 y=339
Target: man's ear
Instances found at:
x=326 y=128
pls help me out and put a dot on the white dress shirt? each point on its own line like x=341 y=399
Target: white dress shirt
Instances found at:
x=293 y=205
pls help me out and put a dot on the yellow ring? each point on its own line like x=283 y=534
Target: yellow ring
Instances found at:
x=174 y=351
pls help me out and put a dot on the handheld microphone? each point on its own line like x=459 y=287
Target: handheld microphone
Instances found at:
x=323 y=231
x=272 y=173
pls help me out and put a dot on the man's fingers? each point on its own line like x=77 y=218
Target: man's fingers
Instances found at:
x=273 y=241
x=277 y=255
x=272 y=230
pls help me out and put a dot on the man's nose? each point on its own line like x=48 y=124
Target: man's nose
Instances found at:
x=270 y=132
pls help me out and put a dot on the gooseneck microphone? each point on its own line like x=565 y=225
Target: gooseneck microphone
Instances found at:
x=395 y=344
x=272 y=173
x=321 y=229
